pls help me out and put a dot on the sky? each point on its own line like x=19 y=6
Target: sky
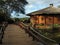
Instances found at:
x=34 y=5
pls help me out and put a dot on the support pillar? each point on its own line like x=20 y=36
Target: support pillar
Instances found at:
x=45 y=21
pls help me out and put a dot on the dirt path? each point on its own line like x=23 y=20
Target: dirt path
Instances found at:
x=14 y=35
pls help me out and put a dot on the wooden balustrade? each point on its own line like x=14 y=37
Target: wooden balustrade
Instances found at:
x=2 y=29
x=36 y=35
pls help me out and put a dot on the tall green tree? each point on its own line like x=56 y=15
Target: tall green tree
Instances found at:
x=8 y=6
x=13 y=5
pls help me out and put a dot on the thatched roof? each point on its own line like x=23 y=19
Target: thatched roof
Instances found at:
x=49 y=10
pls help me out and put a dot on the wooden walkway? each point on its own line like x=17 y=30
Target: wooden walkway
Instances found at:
x=14 y=35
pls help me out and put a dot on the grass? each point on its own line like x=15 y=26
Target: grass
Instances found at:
x=51 y=33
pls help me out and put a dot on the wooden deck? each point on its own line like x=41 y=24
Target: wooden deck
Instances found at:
x=14 y=35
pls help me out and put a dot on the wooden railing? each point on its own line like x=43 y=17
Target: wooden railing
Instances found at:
x=44 y=38
x=36 y=35
x=2 y=29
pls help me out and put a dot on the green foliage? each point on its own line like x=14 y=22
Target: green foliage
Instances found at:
x=10 y=21
x=52 y=33
x=23 y=19
x=14 y=5
x=3 y=15
x=17 y=19
x=8 y=6
x=56 y=25
x=40 y=24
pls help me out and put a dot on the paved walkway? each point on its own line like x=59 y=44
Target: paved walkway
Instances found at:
x=14 y=35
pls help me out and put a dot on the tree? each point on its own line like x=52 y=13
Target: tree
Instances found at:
x=13 y=5
x=8 y=6
x=3 y=15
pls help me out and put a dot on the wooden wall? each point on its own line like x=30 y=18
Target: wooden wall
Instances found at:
x=48 y=20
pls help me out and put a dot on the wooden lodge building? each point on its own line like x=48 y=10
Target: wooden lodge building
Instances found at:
x=45 y=17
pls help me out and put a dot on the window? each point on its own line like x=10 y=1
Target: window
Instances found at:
x=58 y=19
x=42 y=18
x=50 y=19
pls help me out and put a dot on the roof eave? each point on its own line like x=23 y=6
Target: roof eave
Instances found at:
x=44 y=14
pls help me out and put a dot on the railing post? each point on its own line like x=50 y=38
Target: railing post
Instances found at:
x=53 y=25
x=45 y=21
x=1 y=35
x=0 y=41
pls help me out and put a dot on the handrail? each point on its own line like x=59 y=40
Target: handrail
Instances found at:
x=2 y=28
x=33 y=34
x=42 y=35
x=1 y=34
x=39 y=35
x=39 y=39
